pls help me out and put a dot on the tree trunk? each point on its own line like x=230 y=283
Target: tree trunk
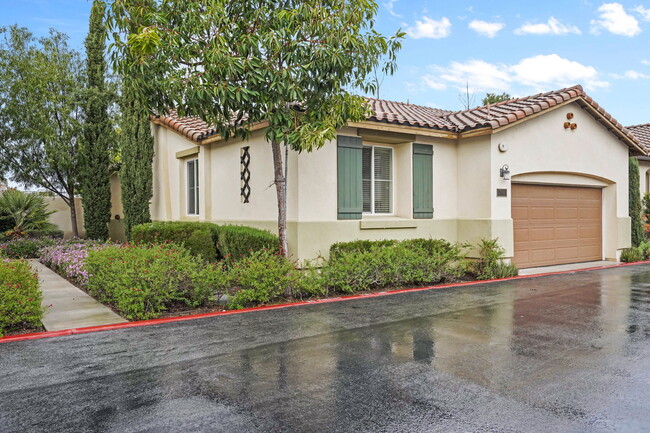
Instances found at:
x=281 y=188
x=73 y=216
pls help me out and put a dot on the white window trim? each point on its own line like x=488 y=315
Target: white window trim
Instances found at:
x=196 y=188
x=372 y=180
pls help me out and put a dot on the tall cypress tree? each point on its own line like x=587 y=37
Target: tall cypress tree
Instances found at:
x=635 y=203
x=136 y=174
x=95 y=149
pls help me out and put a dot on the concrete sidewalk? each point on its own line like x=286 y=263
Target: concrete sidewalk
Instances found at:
x=68 y=307
x=568 y=267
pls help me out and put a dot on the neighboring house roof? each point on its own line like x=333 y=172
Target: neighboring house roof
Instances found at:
x=492 y=117
x=642 y=133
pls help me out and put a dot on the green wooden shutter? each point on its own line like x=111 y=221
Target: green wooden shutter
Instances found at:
x=422 y=181
x=350 y=201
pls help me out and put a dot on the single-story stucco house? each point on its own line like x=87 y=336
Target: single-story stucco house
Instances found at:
x=546 y=174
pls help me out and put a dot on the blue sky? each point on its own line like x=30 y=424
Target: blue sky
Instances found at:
x=519 y=47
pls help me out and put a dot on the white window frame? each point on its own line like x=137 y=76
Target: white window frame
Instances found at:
x=372 y=180
x=195 y=193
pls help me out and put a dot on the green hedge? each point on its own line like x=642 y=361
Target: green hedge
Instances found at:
x=393 y=264
x=209 y=241
x=198 y=237
x=237 y=242
x=142 y=281
x=358 y=246
x=25 y=248
x=20 y=296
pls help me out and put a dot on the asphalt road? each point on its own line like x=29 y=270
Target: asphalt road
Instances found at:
x=551 y=354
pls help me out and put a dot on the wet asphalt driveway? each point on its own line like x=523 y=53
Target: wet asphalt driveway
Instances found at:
x=551 y=354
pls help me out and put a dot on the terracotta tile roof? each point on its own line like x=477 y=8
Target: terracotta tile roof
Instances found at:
x=191 y=127
x=504 y=113
x=408 y=114
x=492 y=116
x=642 y=133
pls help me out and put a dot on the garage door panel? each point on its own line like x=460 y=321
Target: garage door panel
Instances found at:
x=567 y=213
x=567 y=232
x=556 y=224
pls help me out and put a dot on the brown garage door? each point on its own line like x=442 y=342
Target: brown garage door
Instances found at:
x=556 y=224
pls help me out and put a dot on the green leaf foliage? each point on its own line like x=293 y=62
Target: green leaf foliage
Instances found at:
x=291 y=63
x=237 y=242
x=25 y=212
x=141 y=281
x=493 y=98
x=41 y=81
x=20 y=296
x=393 y=264
x=635 y=204
x=197 y=237
x=491 y=265
x=97 y=131
x=262 y=277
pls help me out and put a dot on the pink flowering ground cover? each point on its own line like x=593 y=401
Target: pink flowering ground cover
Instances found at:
x=67 y=258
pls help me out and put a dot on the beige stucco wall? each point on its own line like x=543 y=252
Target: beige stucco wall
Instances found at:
x=541 y=150
x=644 y=177
x=61 y=215
x=466 y=177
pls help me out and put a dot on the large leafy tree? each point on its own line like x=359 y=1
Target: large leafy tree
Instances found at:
x=493 y=98
x=97 y=131
x=40 y=118
x=294 y=64
x=135 y=141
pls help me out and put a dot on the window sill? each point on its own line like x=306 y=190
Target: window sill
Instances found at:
x=386 y=222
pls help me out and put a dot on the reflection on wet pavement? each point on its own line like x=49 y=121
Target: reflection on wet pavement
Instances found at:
x=560 y=353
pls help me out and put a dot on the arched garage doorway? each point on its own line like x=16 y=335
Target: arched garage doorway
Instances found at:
x=556 y=224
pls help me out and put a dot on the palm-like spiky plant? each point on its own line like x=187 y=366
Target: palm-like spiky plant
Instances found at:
x=26 y=212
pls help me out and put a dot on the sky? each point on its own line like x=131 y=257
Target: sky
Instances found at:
x=520 y=47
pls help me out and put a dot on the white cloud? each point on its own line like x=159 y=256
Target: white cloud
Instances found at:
x=428 y=28
x=632 y=75
x=645 y=62
x=541 y=72
x=552 y=27
x=390 y=6
x=485 y=28
x=434 y=82
x=614 y=19
x=546 y=70
x=645 y=13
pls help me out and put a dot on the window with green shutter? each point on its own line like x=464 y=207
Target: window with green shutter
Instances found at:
x=349 y=171
x=422 y=181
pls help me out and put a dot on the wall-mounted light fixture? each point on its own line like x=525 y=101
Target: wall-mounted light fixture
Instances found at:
x=504 y=172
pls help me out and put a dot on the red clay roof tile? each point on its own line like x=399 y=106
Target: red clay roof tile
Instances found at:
x=491 y=116
x=642 y=133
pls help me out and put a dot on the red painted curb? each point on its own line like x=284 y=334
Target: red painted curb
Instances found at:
x=89 y=329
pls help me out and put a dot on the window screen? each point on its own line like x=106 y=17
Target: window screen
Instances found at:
x=377 y=178
x=193 y=187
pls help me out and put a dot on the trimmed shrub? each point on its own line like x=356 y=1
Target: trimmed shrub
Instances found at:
x=20 y=296
x=25 y=248
x=631 y=255
x=142 y=281
x=262 y=277
x=404 y=263
x=491 y=265
x=199 y=238
x=237 y=242
x=358 y=246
